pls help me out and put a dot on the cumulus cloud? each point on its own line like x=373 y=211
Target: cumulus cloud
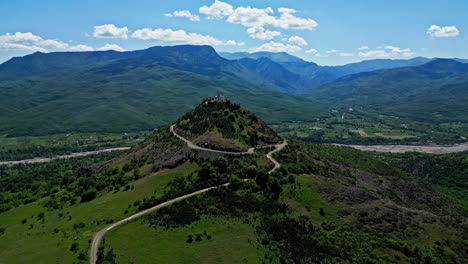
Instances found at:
x=176 y=36
x=110 y=31
x=311 y=51
x=363 y=48
x=111 y=47
x=346 y=54
x=374 y=53
x=321 y=56
x=81 y=47
x=185 y=13
x=332 y=51
x=28 y=41
x=261 y=33
x=443 y=32
x=234 y=43
x=278 y=47
x=217 y=10
x=394 y=49
x=296 y=40
x=256 y=17
x=286 y=10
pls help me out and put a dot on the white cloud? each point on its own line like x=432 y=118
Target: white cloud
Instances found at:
x=346 y=54
x=54 y=44
x=217 y=10
x=386 y=51
x=443 y=32
x=332 y=51
x=110 y=31
x=5 y=46
x=81 y=47
x=394 y=49
x=176 y=36
x=255 y=17
x=374 y=53
x=261 y=33
x=29 y=41
x=286 y=10
x=311 y=51
x=321 y=56
x=363 y=48
x=296 y=40
x=234 y=43
x=278 y=47
x=184 y=13
x=111 y=47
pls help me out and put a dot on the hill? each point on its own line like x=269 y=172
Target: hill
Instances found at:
x=437 y=86
x=323 y=204
x=225 y=126
x=137 y=93
x=42 y=63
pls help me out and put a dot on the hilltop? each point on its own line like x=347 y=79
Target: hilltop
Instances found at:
x=218 y=125
x=223 y=125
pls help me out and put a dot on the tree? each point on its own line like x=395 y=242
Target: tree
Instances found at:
x=205 y=172
x=235 y=183
x=251 y=172
x=276 y=188
x=74 y=247
x=262 y=178
x=322 y=212
x=88 y=195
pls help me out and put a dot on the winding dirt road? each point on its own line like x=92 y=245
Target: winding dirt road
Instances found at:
x=194 y=146
x=68 y=156
x=99 y=235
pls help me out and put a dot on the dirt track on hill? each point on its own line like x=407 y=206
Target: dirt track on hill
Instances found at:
x=99 y=235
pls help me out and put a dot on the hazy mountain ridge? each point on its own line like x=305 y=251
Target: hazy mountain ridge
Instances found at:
x=136 y=93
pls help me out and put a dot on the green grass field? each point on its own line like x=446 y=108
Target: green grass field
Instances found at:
x=231 y=242
x=360 y=127
x=22 y=244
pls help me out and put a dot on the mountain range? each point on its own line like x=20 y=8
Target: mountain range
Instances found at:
x=141 y=90
x=110 y=91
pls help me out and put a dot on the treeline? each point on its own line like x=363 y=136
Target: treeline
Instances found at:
x=65 y=181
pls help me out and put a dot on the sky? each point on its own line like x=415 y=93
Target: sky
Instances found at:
x=328 y=32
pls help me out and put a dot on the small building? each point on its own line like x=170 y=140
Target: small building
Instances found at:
x=219 y=97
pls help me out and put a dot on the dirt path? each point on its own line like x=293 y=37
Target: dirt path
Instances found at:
x=278 y=147
x=410 y=148
x=194 y=146
x=99 y=235
x=68 y=156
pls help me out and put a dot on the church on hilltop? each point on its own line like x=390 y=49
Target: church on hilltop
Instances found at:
x=219 y=97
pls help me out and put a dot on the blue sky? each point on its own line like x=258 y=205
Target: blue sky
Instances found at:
x=326 y=32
